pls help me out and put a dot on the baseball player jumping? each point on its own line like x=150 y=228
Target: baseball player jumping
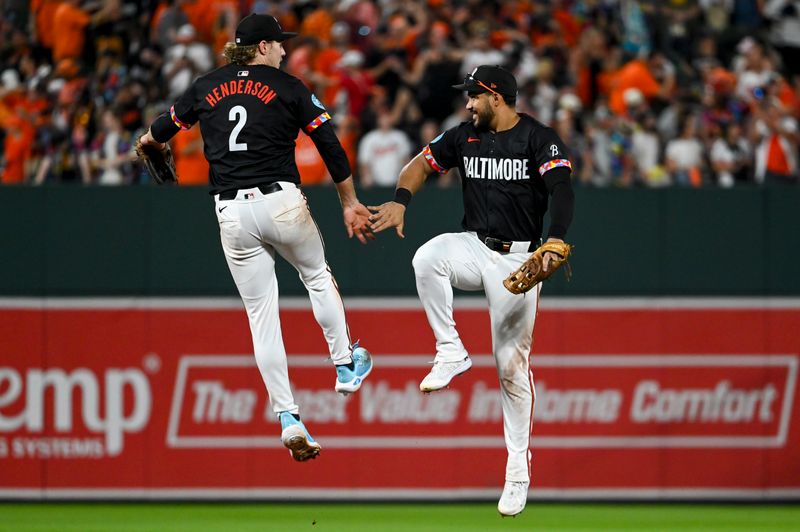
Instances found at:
x=510 y=165
x=250 y=113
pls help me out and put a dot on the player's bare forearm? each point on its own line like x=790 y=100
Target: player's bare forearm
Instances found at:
x=392 y=213
x=413 y=174
x=356 y=215
x=347 y=192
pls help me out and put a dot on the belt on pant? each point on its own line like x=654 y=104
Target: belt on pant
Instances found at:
x=507 y=246
x=265 y=189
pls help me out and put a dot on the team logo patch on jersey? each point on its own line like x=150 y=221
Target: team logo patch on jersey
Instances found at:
x=243 y=73
x=316 y=101
x=553 y=150
x=434 y=141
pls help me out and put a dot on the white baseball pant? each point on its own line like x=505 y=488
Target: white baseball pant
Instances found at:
x=463 y=261
x=252 y=227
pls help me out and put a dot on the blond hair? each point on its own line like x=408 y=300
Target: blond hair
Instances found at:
x=239 y=55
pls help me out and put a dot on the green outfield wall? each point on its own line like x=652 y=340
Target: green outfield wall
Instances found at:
x=159 y=241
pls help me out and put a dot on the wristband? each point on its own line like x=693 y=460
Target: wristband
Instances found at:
x=402 y=196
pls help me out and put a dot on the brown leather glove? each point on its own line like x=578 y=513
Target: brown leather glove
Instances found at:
x=531 y=273
x=159 y=163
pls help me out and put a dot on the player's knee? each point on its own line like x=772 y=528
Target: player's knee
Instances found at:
x=317 y=280
x=514 y=376
x=426 y=261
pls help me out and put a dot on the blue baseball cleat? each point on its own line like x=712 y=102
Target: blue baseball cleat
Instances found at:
x=297 y=439
x=350 y=380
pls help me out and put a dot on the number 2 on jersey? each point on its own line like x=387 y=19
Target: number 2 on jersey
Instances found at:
x=239 y=113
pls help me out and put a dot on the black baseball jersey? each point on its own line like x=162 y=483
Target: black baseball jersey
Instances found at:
x=250 y=116
x=505 y=195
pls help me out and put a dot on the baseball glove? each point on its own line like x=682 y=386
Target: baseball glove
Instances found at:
x=159 y=163
x=531 y=272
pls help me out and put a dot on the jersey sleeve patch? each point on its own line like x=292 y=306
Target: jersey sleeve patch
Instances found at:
x=426 y=152
x=555 y=163
x=318 y=121
x=177 y=121
x=316 y=102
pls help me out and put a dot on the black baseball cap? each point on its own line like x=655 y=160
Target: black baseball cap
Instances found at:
x=253 y=29
x=489 y=78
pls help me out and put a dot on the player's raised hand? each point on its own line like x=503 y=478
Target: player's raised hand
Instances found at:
x=390 y=214
x=356 y=220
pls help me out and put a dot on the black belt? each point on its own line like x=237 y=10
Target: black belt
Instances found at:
x=503 y=246
x=268 y=188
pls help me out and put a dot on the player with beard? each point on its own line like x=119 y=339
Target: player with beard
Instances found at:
x=511 y=166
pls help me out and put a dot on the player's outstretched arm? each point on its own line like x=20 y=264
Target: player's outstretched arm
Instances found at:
x=392 y=213
x=356 y=215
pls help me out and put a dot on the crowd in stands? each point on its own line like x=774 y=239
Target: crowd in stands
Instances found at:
x=645 y=93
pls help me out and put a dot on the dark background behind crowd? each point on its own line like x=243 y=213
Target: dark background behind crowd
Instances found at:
x=645 y=93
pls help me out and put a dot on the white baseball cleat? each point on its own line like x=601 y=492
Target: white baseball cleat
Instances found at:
x=515 y=495
x=442 y=373
x=296 y=438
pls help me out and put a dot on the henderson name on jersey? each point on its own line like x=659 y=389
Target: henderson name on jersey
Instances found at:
x=250 y=116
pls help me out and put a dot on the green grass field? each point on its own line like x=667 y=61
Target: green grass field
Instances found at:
x=462 y=517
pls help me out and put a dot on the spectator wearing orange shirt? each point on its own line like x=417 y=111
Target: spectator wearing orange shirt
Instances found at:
x=16 y=150
x=44 y=10
x=585 y=63
x=318 y=23
x=348 y=132
x=212 y=16
x=71 y=22
x=190 y=163
x=777 y=147
x=12 y=94
x=635 y=74
x=309 y=162
x=325 y=75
